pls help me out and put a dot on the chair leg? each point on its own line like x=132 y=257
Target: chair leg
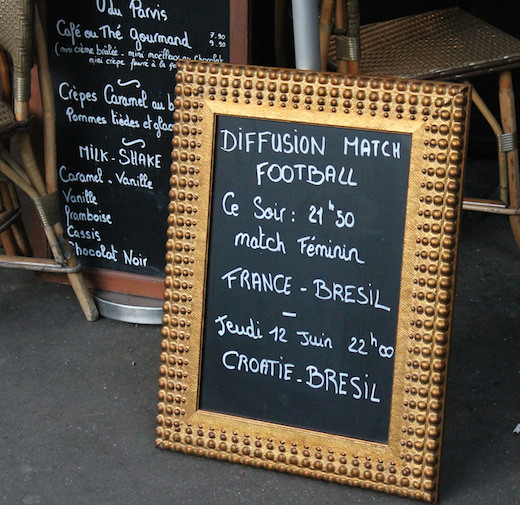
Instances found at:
x=76 y=279
x=10 y=203
x=508 y=117
x=61 y=250
x=7 y=239
x=326 y=18
x=497 y=130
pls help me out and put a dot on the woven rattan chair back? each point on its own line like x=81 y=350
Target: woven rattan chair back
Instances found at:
x=16 y=38
x=443 y=44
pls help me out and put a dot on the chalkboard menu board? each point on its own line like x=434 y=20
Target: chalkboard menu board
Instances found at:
x=310 y=272
x=113 y=65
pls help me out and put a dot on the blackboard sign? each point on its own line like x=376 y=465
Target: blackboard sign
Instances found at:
x=310 y=272
x=307 y=225
x=113 y=65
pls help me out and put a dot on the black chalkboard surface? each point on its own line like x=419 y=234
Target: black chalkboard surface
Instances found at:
x=113 y=65
x=304 y=274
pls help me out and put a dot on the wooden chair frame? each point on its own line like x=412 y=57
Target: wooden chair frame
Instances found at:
x=347 y=37
x=23 y=29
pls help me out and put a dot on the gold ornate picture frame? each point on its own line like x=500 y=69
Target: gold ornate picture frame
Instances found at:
x=311 y=261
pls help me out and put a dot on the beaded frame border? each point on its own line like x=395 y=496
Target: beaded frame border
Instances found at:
x=435 y=113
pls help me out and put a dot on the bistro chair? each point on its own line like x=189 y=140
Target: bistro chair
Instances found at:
x=447 y=44
x=21 y=33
